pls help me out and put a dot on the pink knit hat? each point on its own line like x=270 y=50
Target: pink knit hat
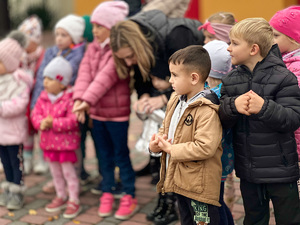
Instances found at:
x=287 y=21
x=10 y=54
x=108 y=13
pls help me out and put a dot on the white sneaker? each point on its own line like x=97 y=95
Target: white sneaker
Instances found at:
x=41 y=167
x=27 y=165
x=1 y=167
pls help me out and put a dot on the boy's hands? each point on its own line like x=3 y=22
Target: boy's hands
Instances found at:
x=160 y=143
x=255 y=103
x=242 y=104
x=249 y=103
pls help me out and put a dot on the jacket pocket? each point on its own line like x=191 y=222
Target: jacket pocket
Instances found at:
x=190 y=176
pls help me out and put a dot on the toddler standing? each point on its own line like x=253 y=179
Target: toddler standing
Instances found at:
x=53 y=116
x=31 y=61
x=70 y=45
x=100 y=91
x=15 y=87
x=220 y=66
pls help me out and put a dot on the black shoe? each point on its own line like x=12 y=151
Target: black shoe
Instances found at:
x=143 y=172
x=166 y=216
x=85 y=178
x=158 y=209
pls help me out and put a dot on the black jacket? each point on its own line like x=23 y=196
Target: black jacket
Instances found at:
x=264 y=144
x=166 y=36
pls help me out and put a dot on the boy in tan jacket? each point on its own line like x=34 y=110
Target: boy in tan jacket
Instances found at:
x=190 y=139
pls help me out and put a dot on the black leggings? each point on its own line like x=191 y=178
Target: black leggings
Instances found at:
x=12 y=160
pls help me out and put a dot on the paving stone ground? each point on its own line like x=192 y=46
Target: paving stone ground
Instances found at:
x=33 y=212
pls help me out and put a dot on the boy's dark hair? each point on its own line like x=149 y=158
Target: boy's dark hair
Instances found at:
x=194 y=58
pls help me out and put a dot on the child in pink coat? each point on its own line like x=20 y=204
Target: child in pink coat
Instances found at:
x=53 y=116
x=15 y=85
x=286 y=29
x=100 y=92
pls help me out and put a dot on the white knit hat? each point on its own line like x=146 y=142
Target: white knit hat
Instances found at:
x=220 y=58
x=74 y=25
x=59 y=69
x=32 y=27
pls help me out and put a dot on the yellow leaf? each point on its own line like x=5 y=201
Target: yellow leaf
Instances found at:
x=76 y=221
x=11 y=214
x=32 y=212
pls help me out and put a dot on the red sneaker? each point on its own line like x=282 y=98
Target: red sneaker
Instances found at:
x=72 y=210
x=128 y=206
x=106 y=204
x=56 y=205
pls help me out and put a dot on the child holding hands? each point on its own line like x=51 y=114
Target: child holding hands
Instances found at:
x=53 y=116
x=190 y=140
x=260 y=102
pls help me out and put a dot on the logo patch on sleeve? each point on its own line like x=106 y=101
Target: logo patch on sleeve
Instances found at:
x=189 y=120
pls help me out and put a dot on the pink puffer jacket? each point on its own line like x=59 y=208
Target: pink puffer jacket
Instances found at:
x=98 y=84
x=64 y=134
x=292 y=62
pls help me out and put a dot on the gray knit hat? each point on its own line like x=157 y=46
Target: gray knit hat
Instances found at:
x=59 y=69
x=220 y=58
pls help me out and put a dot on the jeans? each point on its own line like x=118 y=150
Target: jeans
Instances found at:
x=12 y=160
x=111 y=143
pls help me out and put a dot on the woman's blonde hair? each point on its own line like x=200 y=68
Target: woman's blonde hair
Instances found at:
x=128 y=34
x=222 y=17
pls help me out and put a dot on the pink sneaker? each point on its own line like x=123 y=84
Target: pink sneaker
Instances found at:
x=72 y=210
x=128 y=206
x=56 y=205
x=106 y=204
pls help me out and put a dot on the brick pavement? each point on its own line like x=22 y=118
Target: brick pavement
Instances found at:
x=33 y=211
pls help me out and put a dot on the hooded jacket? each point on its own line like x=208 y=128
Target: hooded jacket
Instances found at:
x=64 y=134
x=264 y=144
x=194 y=168
x=14 y=97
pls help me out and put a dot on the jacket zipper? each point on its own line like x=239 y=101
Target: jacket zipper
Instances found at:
x=247 y=128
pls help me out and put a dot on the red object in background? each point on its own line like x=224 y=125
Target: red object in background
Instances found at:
x=193 y=10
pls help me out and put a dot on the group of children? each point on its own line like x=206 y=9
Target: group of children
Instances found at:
x=235 y=97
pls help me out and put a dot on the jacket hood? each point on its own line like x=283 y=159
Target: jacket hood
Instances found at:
x=20 y=74
x=67 y=94
x=208 y=98
x=273 y=58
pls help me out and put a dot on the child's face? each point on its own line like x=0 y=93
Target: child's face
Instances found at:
x=2 y=69
x=62 y=39
x=284 y=43
x=100 y=33
x=53 y=86
x=32 y=46
x=239 y=51
x=160 y=84
x=208 y=36
x=180 y=80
